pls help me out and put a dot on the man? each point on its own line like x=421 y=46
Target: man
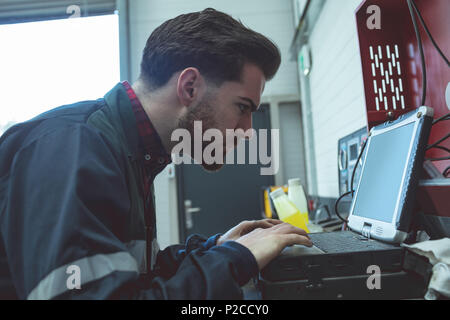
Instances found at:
x=76 y=183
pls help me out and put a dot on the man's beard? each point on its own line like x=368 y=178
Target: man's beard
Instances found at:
x=204 y=113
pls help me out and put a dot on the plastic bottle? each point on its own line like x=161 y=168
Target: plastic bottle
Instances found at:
x=297 y=196
x=287 y=211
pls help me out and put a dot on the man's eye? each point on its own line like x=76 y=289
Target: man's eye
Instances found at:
x=243 y=108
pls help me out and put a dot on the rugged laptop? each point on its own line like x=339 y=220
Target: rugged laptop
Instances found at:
x=380 y=214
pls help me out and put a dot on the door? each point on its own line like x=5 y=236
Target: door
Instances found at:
x=211 y=203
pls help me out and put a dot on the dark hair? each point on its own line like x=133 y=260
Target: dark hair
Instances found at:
x=210 y=41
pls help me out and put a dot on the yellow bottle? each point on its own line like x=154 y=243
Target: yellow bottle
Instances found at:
x=297 y=196
x=287 y=211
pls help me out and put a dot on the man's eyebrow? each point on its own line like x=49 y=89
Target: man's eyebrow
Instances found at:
x=254 y=106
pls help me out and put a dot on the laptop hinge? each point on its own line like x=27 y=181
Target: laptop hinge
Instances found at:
x=366 y=230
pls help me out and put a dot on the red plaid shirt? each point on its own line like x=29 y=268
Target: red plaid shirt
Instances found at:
x=153 y=152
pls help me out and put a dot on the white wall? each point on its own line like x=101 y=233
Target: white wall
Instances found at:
x=336 y=83
x=272 y=18
x=291 y=142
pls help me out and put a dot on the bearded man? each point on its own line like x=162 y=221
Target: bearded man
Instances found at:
x=76 y=183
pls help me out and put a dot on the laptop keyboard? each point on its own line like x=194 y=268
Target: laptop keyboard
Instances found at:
x=345 y=241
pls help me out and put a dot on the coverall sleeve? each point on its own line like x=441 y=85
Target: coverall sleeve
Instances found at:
x=169 y=259
x=67 y=203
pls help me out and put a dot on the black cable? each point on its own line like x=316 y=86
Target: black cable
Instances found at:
x=443 y=118
x=351 y=184
x=424 y=25
x=356 y=165
x=438 y=159
x=442 y=148
x=422 y=56
x=336 y=206
x=438 y=142
x=446 y=172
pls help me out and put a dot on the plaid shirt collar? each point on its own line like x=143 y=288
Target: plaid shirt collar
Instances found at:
x=154 y=155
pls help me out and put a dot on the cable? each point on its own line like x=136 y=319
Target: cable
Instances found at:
x=446 y=172
x=356 y=165
x=443 y=118
x=413 y=6
x=438 y=159
x=442 y=148
x=337 y=203
x=424 y=25
x=438 y=142
x=422 y=56
x=436 y=145
x=351 y=184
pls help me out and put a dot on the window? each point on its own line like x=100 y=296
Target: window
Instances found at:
x=51 y=63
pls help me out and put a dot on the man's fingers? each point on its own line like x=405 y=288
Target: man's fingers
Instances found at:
x=266 y=244
x=274 y=221
x=266 y=223
x=288 y=228
x=292 y=239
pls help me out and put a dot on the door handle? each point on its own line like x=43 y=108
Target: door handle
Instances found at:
x=193 y=210
x=188 y=211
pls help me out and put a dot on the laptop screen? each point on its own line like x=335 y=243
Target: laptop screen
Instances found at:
x=381 y=180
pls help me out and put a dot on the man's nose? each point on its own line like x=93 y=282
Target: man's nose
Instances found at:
x=246 y=123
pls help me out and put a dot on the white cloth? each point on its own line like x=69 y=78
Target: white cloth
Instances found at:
x=438 y=254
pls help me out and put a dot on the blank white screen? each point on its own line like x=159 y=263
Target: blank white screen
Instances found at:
x=381 y=179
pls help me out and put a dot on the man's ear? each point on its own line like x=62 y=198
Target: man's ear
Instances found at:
x=189 y=86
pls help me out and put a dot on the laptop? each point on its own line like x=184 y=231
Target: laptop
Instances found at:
x=381 y=211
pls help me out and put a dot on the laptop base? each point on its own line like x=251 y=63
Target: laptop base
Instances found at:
x=346 y=241
x=392 y=286
x=302 y=263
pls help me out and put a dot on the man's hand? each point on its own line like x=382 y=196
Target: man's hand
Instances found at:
x=267 y=244
x=246 y=227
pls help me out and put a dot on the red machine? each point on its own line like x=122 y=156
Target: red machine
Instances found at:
x=393 y=79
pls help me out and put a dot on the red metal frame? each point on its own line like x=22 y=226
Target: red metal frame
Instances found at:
x=434 y=199
x=397 y=35
x=392 y=68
